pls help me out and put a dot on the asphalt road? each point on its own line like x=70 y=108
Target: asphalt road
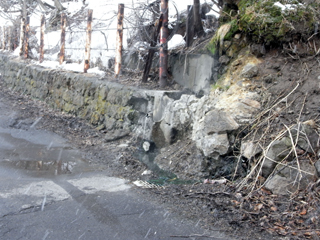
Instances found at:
x=48 y=192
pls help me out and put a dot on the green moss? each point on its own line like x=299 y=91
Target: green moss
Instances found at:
x=227 y=32
x=212 y=46
x=234 y=28
x=265 y=22
x=219 y=87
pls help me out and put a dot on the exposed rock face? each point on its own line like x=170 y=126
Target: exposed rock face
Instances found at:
x=211 y=121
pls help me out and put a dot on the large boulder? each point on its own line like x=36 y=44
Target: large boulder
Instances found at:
x=302 y=135
x=307 y=136
x=217 y=121
x=250 y=70
x=215 y=143
x=288 y=179
x=278 y=150
x=249 y=149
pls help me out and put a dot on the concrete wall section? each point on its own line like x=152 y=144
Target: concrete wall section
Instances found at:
x=194 y=71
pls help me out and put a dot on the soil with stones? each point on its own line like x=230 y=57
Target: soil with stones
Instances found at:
x=294 y=87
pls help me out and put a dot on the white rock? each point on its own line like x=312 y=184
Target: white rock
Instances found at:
x=146 y=146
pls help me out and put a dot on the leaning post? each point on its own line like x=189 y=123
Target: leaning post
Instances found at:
x=88 y=41
x=63 y=38
x=26 y=37
x=22 y=31
x=42 y=22
x=152 y=50
x=119 y=40
x=164 y=32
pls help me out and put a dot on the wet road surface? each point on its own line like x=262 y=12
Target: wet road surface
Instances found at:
x=48 y=191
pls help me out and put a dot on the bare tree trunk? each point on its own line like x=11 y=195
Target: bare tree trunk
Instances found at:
x=198 y=28
x=164 y=33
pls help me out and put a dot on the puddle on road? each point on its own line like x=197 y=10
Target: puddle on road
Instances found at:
x=47 y=167
x=47 y=159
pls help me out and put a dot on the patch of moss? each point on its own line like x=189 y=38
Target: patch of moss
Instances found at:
x=233 y=29
x=265 y=22
x=212 y=46
x=225 y=32
x=219 y=86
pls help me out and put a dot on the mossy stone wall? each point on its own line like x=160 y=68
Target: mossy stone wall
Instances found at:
x=104 y=104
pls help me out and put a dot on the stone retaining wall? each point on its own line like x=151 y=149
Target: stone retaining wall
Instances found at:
x=104 y=104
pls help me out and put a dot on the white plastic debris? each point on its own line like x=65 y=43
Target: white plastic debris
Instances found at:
x=213 y=181
x=144 y=184
x=146 y=172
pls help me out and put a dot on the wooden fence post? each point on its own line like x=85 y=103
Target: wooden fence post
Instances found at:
x=119 y=40
x=26 y=37
x=22 y=32
x=63 y=37
x=15 y=36
x=9 y=38
x=164 y=32
x=0 y=37
x=42 y=22
x=88 y=42
x=189 y=26
x=4 y=38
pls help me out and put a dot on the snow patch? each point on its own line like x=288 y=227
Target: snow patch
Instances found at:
x=287 y=7
x=52 y=191
x=95 y=184
x=176 y=41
